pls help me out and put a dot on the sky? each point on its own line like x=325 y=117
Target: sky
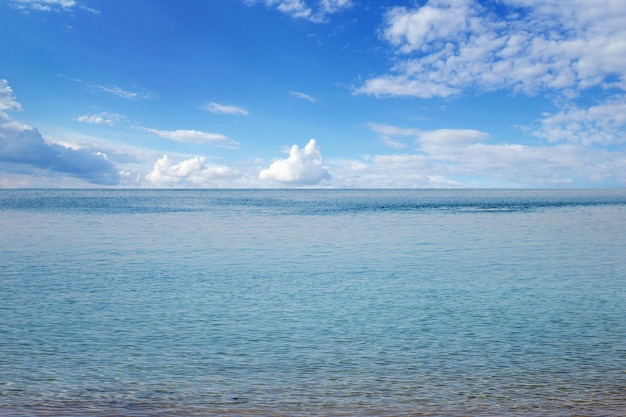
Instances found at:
x=313 y=93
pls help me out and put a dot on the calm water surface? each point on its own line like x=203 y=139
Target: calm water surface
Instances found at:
x=312 y=302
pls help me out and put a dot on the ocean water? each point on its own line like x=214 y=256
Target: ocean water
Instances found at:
x=312 y=303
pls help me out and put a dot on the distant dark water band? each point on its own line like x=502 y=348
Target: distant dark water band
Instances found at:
x=235 y=409
x=302 y=202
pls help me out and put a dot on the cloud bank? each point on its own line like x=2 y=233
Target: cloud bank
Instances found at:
x=302 y=167
x=464 y=157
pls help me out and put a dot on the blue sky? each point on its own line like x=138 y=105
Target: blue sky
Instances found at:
x=313 y=93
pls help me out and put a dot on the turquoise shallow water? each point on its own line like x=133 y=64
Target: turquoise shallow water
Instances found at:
x=312 y=302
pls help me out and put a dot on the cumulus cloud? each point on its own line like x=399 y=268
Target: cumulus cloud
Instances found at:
x=447 y=46
x=303 y=96
x=217 y=108
x=302 y=167
x=314 y=11
x=23 y=150
x=109 y=119
x=192 y=136
x=193 y=172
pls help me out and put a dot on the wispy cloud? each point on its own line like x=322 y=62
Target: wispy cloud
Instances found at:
x=115 y=90
x=126 y=94
x=109 y=119
x=217 y=108
x=193 y=136
x=303 y=96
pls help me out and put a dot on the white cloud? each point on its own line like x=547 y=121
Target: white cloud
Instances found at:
x=45 y=5
x=7 y=99
x=193 y=172
x=447 y=46
x=295 y=8
x=303 y=166
x=303 y=96
x=50 y=5
x=442 y=144
x=192 y=136
x=8 y=126
x=109 y=119
x=301 y=9
x=602 y=124
x=217 y=108
x=390 y=134
x=334 y=6
x=427 y=138
x=403 y=85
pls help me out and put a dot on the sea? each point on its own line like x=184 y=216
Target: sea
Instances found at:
x=442 y=303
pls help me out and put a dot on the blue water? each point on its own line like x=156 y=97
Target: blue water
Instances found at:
x=312 y=303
